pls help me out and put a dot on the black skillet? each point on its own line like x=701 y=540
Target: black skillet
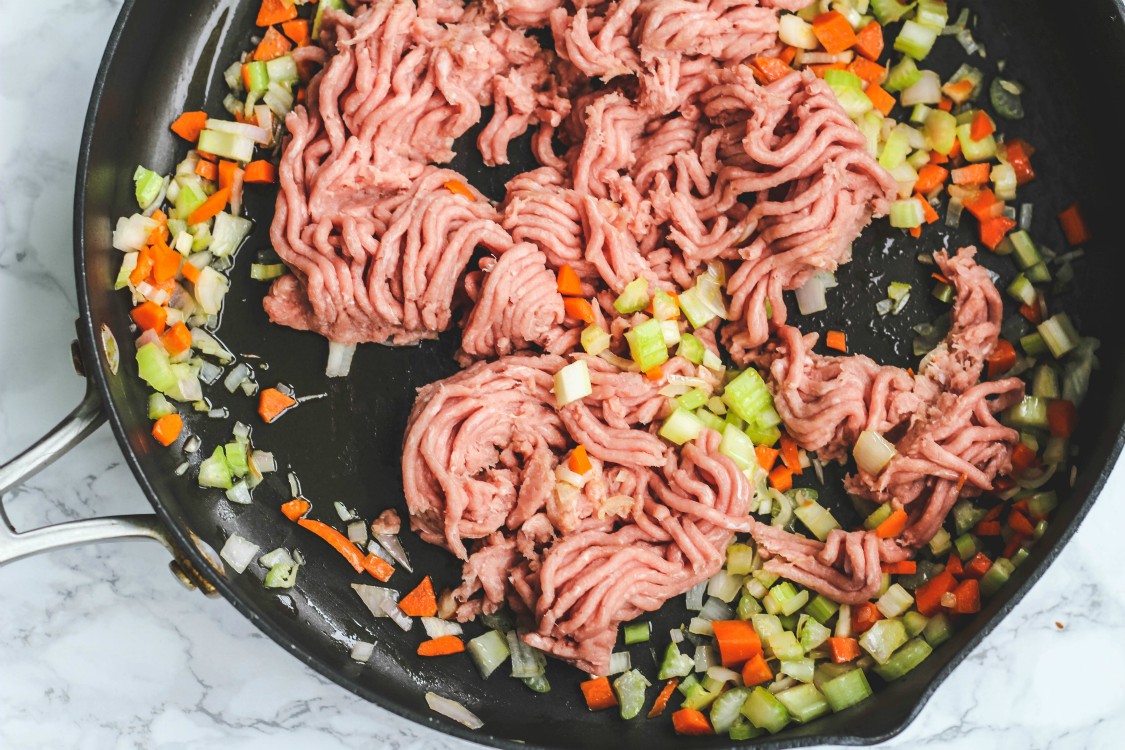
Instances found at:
x=166 y=57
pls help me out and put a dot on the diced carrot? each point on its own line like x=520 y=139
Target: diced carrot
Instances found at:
x=788 y=54
x=882 y=100
x=958 y=91
x=579 y=461
x=982 y=126
x=756 y=671
x=915 y=232
x=955 y=152
x=1014 y=544
x=864 y=616
x=1074 y=225
x=945 y=104
x=150 y=316
x=1020 y=523
x=954 y=566
x=210 y=207
x=206 y=169
x=190 y=272
x=1023 y=458
x=441 y=646
x=1002 y=359
x=927 y=597
x=295 y=508
x=274 y=44
x=568 y=282
x=983 y=205
x=930 y=177
x=579 y=308
x=655 y=373
x=1033 y=313
x=869 y=41
x=791 y=454
x=843 y=650
x=834 y=32
x=938 y=158
x=189 y=125
x=272 y=402
x=993 y=513
x=663 y=698
x=972 y=174
x=940 y=279
x=781 y=479
x=165 y=263
x=167 y=428
x=339 y=542
x=1019 y=156
x=379 y=568
x=903 y=567
x=967 y=596
x=459 y=188
x=1062 y=417
x=820 y=70
x=688 y=721
x=977 y=566
x=893 y=525
x=988 y=528
x=837 y=340
x=177 y=339
x=771 y=68
x=1021 y=506
x=993 y=231
x=872 y=72
x=297 y=30
x=276 y=11
x=738 y=641
x=598 y=693
x=421 y=602
x=227 y=171
x=766 y=456
x=929 y=215
x=260 y=171
x=1002 y=484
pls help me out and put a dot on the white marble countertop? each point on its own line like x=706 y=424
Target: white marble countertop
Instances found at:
x=100 y=647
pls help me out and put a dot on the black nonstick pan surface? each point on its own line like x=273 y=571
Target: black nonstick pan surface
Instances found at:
x=167 y=57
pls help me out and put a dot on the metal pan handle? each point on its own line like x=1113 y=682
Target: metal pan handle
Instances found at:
x=72 y=430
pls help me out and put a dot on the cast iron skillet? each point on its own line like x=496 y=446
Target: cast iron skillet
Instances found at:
x=163 y=58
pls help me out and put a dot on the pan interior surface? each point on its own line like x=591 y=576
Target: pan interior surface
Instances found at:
x=167 y=58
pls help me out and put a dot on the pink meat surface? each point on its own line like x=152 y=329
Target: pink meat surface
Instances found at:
x=482 y=459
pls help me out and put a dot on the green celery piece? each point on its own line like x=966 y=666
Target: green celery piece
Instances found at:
x=257 y=76
x=158 y=406
x=236 y=458
x=938 y=630
x=740 y=559
x=710 y=420
x=738 y=446
x=633 y=298
x=637 y=632
x=915 y=40
x=630 y=691
x=681 y=426
x=904 y=660
x=154 y=367
x=538 y=684
x=322 y=6
x=974 y=151
x=147 y=185
x=727 y=708
x=847 y=689
x=804 y=703
x=747 y=395
x=691 y=349
x=765 y=711
x=693 y=399
x=883 y=638
x=646 y=345
x=281 y=576
x=675 y=664
x=488 y=651
x=822 y=609
x=903 y=75
x=889 y=11
x=941 y=130
x=214 y=472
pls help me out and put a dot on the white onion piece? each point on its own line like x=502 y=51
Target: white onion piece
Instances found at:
x=926 y=91
x=239 y=493
x=437 y=627
x=239 y=552
x=279 y=556
x=374 y=596
x=343 y=512
x=453 y=710
x=244 y=129
x=872 y=452
x=148 y=337
x=811 y=297
x=236 y=192
x=695 y=596
x=390 y=543
x=357 y=532
x=339 y=359
x=722 y=674
x=399 y=617
x=362 y=651
x=264 y=116
x=238 y=375
x=264 y=461
x=132 y=231
x=620 y=661
x=705 y=656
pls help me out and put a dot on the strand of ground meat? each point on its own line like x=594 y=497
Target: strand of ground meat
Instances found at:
x=951 y=445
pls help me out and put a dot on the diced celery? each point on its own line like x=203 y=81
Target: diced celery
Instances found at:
x=966 y=515
x=941 y=131
x=698 y=697
x=846 y=690
x=804 y=702
x=889 y=11
x=691 y=349
x=147 y=186
x=748 y=606
x=214 y=471
x=766 y=626
x=743 y=730
x=765 y=711
x=228 y=233
x=1056 y=450
x=747 y=395
x=883 y=638
x=693 y=399
x=158 y=406
x=595 y=340
x=281 y=576
x=703 y=302
x=904 y=660
x=646 y=345
x=1004 y=183
x=154 y=368
x=871 y=124
x=915 y=40
x=907 y=214
x=323 y=5
x=780 y=596
x=932 y=13
x=236 y=458
x=974 y=151
x=1029 y=413
x=798 y=669
x=675 y=664
x=488 y=651
x=843 y=79
x=897 y=147
x=822 y=608
x=737 y=446
x=572 y=383
x=784 y=645
x=1058 y=334
x=818 y=519
x=633 y=298
x=941 y=542
x=996 y=576
x=710 y=420
x=267 y=271
x=915 y=622
x=128 y=263
x=938 y=630
x=903 y=75
x=740 y=559
x=630 y=691
x=727 y=708
x=1042 y=503
x=1033 y=344
x=637 y=632
x=882 y=513
x=190 y=197
x=227 y=145
x=1024 y=251
x=1022 y=290
x=1045 y=382
x=681 y=426
x=255 y=75
x=812 y=634
x=854 y=102
x=895 y=601
x=919 y=113
x=282 y=69
x=966 y=546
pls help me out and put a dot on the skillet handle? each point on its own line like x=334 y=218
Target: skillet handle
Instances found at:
x=73 y=429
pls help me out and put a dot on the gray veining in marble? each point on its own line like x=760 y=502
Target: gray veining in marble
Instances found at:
x=101 y=648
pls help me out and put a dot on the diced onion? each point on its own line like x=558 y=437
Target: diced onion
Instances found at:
x=796 y=32
x=705 y=656
x=239 y=552
x=811 y=297
x=279 y=556
x=132 y=232
x=362 y=651
x=926 y=91
x=453 y=710
x=239 y=493
x=436 y=627
x=239 y=374
x=572 y=383
x=339 y=359
x=357 y=532
x=695 y=596
x=872 y=452
x=246 y=130
x=620 y=661
x=391 y=544
x=374 y=596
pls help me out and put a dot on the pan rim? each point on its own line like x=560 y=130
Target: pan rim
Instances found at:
x=89 y=339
